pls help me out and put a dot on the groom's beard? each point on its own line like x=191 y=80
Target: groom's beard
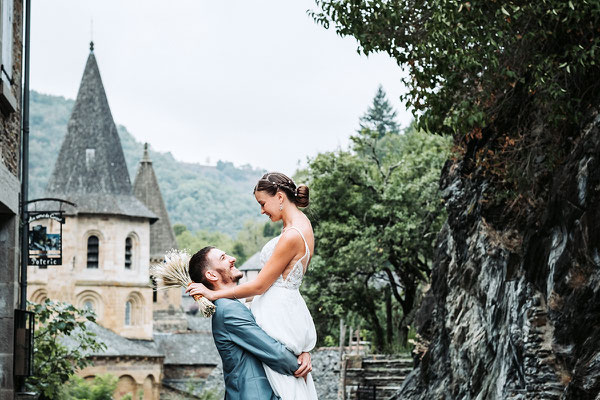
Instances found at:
x=230 y=278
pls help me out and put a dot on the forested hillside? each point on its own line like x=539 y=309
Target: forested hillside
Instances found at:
x=214 y=198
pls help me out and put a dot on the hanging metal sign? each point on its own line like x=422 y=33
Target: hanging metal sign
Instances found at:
x=45 y=237
x=45 y=233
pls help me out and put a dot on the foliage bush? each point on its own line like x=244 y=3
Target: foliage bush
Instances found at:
x=101 y=388
x=466 y=58
x=55 y=362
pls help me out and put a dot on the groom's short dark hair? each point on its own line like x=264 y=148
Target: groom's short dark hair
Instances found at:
x=199 y=265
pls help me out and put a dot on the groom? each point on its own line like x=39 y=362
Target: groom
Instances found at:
x=242 y=344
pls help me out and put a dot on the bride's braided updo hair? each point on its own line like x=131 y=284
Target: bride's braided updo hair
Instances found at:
x=273 y=182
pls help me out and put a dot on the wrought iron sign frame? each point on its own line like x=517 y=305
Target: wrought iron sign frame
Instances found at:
x=44 y=260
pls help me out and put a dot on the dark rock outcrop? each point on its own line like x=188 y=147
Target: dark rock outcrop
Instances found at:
x=514 y=313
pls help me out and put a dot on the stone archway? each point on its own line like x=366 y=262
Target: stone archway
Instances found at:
x=39 y=296
x=150 y=389
x=125 y=385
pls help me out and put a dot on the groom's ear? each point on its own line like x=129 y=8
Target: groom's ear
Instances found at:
x=211 y=276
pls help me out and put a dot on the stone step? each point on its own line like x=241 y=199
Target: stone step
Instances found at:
x=391 y=363
x=378 y=371
x=388 y=356
x=381 y=392
x=384 y=381
x=387 y=360
x=386 y=392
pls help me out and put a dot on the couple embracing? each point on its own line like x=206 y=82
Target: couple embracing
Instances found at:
x=265 y=349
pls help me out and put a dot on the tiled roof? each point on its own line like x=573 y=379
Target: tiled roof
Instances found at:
x=252 y=264
x=90 y=169
x=146 y=189
x=116 y=345
x=190 y=348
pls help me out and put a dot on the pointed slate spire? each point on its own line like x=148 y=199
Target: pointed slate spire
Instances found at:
x=146 y=189
x=90 y=169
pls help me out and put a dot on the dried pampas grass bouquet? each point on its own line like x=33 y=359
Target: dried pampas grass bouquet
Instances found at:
x=174 y=272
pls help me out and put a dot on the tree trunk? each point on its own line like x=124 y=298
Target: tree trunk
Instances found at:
x=407 y=313
x=377 y=328
x=389 y=321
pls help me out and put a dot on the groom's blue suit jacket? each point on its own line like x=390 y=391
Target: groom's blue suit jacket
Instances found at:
x=243 y=347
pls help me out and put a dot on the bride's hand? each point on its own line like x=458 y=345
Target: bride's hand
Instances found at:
x=199 y=289
x=305 y=366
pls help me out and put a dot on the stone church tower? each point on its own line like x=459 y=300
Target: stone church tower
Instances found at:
x=106 y=237
x=167 y=315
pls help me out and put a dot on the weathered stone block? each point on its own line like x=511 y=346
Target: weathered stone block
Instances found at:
x=6 y=373
x=8 y=299
x=6 y=335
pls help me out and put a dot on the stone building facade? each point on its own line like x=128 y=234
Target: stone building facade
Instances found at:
x=120 y=295
x=106 y=236
x=106 y=246
x=11 y=28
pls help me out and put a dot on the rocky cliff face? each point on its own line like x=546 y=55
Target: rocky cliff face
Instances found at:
x=515 y=313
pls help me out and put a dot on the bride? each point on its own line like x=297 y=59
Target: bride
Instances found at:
x=278 y=307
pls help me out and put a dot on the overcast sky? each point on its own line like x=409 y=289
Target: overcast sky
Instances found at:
x=249 y=81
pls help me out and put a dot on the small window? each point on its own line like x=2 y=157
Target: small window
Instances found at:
x=90 y=156
x=128 y=246
x=88 y=305
x=7 y=40
x=92 y=252
x=8 y=102
x=154 y=290
x=128 y=313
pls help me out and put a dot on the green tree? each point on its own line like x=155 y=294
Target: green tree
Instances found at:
x=468 y=61
x=54 y=361
x=376 y=212
x=380 y=117
x=101 y=388
x=178 y=229
x=513 y=81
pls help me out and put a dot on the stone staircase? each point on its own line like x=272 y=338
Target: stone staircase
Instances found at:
x=385 y=372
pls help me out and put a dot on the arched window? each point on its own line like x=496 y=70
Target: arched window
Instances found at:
x=128 y=307
x=93 y=246
x=128 y=252
x=91 y=301
x=134 y=306
x=154 y=290
x=39 y=296
x=88 y=305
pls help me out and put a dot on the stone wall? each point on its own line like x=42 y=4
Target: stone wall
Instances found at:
x=10 y=128
x=10 y=123
x=514 y=314
x=9 y=299
x=326 y=372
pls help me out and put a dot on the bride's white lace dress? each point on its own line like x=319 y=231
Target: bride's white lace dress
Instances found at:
x=282 y=313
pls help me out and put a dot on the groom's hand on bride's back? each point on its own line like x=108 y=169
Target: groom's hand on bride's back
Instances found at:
x=305 y=366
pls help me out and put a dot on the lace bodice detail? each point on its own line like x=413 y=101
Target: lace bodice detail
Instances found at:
x=294 y=278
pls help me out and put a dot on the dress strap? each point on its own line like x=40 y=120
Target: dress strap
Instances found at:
x=307 y=251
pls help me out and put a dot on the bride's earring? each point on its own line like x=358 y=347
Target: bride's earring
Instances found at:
x=280 y=207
